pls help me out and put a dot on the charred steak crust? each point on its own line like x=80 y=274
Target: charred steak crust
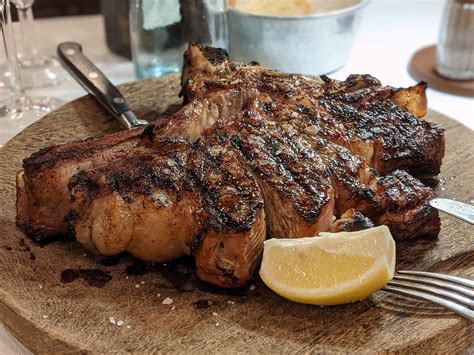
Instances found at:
x=351 y=221
x=201 y=186
x=49 y=157
x=233 y=200
x=358 y=113
x=254 y=152
x=215 y=55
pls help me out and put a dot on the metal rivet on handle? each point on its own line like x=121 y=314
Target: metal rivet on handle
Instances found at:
x=119 y=100
x=93 y=75
x=70 y=51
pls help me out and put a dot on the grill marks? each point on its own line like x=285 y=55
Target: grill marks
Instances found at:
x=358 y=113
x=345 y=172
x=307 y=180
x=231 y=194
x=292 y=177
x=228 y=251
x=399 y=139
x=353 y=130
x=404 y=199
x=170 y=196
x=43 y=195
x=385 y=135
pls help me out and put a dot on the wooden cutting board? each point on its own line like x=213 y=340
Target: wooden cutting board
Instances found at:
x=49 y=316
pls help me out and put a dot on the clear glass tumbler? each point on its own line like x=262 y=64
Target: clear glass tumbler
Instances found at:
x=161 y=29
x=455 y=49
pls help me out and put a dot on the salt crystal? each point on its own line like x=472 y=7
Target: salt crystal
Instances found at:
x=217 y=324
x=230 y=302
x=137 y=286
x=215 y=150
x=84 y=255
x=173 y=308
x=129 y=326
x=214 y=314
x=120 y=323
x=251 y=288
x=167 y=300
x=158 y=294
x=69 y=313
x=143 y=282
x=161 y=198
x=112 y=320
x=45 y=316
x=126 y=277
x=40 y=286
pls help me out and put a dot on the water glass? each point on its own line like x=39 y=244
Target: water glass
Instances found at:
x=161 y=29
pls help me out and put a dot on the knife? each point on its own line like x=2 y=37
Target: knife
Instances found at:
x=96 y=83
x=454 y=208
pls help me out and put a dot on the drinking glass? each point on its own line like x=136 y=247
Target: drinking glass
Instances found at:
x=36 y=70
x=161 y=29
x=19 y=110
x=455 y=49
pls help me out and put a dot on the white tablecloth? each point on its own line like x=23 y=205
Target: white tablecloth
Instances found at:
x=392 y=30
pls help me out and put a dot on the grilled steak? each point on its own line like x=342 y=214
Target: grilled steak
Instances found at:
x=42 y=192
x=43 y=199
x=358 y=113
x=170 y=197
x=254 y=152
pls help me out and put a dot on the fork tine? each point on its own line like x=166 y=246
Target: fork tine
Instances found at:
x=438 y=283
x=453 y=306
x=467 y=301
x=432 y=275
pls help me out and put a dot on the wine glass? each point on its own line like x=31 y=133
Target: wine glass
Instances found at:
x=35 y=70
x=19 y=110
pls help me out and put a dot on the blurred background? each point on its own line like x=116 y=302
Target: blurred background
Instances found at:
x=51 y=8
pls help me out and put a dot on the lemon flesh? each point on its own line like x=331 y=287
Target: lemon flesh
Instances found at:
x=331 y=269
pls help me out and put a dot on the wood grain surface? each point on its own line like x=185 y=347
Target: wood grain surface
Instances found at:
x=49 y=316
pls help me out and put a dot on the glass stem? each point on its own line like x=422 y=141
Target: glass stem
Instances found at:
x=28 y=41
x=17 y=93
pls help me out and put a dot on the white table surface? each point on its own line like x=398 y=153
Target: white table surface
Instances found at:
x=392 y=30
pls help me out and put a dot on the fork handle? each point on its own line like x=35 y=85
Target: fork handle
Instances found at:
x=96 y=83
x=454 y=208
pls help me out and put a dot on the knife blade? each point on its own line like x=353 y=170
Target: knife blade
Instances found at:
x=457 y=209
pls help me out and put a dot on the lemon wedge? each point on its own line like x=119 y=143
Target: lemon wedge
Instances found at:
x=331 y=269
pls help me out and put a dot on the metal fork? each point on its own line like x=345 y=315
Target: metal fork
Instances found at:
x=452 y=292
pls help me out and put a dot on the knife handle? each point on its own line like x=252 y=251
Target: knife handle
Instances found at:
x=454 y=208
x=96 y=83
